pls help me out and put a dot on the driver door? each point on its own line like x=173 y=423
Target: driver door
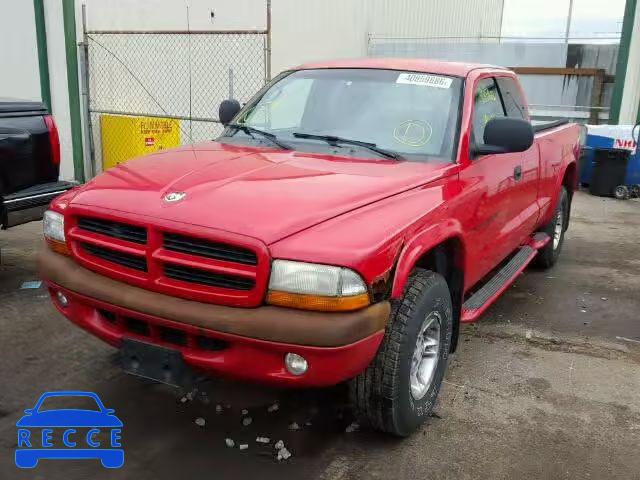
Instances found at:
x=494 y=184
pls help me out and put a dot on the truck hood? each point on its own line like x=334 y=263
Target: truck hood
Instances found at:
x=263 y=193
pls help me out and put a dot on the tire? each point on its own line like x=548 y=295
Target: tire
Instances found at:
x=621 y=192
x=382 y=395
x=548 y=255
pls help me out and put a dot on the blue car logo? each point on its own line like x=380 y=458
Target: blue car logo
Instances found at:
x=36 y=429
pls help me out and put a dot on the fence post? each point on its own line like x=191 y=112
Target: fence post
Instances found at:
x=230 y=83
x=268 y=59
x=91 y=167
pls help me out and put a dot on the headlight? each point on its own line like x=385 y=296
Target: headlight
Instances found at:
x=53 y=226
x=312 y=286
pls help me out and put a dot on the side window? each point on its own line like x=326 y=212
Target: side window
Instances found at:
x=512 y=98
x=486 y=105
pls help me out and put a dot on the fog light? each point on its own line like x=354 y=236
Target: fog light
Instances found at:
x=62 y=300
x=296 y=365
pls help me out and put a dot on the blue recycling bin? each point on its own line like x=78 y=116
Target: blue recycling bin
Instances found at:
x=610 y=137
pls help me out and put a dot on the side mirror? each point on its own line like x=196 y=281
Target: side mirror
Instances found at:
x=505 y=135
x=227 y=110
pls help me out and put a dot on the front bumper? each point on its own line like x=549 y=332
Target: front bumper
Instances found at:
x=242 y=343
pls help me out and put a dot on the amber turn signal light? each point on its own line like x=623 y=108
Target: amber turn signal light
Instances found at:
x=317 y=302
x=58 y=247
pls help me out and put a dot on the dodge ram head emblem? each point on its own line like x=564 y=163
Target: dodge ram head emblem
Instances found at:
x=174 y=197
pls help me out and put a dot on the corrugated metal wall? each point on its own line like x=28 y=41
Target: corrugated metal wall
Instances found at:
x=435 y=18
x=307 y=30
x=311 y=30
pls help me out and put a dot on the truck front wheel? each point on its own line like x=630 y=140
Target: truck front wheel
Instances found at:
x=398 y=390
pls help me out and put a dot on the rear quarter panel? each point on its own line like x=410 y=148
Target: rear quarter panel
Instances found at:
x=559 y=151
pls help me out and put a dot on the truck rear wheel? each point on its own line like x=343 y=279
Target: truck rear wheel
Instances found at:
x=556 y=228
x=398 y=390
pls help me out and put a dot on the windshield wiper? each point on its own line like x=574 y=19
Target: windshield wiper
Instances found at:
x=332 y=139
x=251 y=130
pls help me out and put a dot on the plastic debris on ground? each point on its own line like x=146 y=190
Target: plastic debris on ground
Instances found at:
x=246 y=421
x=201 y=422
x=352 y=427
x=243 y=446
x=230 y=443
x=218 y=408
x=284 y=454
x=245 y=411
x=262 y=440
x=273 y=408
x=189 y=396
x=31 y=284
x=279 y=444
x=294 y=426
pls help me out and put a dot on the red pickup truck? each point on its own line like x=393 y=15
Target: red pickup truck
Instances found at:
x=346 y=222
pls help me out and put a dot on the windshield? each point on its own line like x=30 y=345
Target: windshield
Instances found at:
x=412 y=114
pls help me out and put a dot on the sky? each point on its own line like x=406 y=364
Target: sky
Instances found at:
x=548 y=18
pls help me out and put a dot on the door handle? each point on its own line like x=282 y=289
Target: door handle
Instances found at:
x=517 y=173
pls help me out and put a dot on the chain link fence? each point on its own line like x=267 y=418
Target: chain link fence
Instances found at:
x=153 y=90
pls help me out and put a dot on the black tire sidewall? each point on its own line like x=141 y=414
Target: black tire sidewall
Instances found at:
x=411 y=413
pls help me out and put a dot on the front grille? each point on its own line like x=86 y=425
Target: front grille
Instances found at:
x=204 y=277
x=124 y=259
x=206 y=248
x=218 y=269
x=122 y=231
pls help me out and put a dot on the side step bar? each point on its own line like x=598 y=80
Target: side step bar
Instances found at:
x=490 y=291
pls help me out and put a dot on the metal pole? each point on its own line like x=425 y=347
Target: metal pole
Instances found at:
x=88 y=131
x=73 y=86
x=43 y=57
x=623 y=60
x=230 y=82
x=268 y=66
x=568 y=29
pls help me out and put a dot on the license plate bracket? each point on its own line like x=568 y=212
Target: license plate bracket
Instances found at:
x=153 y=362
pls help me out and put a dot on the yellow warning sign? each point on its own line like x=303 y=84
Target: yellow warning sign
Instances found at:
x=125 y=137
